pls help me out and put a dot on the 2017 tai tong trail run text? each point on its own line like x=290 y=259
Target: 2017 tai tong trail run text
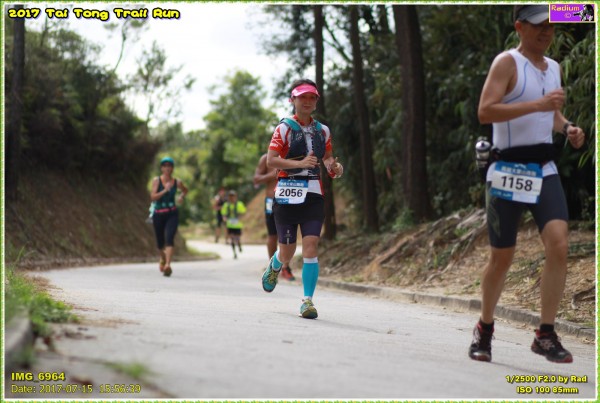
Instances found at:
x=102 y=15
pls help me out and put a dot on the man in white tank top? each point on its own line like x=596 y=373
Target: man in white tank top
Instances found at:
x=522 y=97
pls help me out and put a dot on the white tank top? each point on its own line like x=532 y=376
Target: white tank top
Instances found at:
x=533 y=128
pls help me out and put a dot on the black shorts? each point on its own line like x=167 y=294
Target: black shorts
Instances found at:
x=308 y=215
x=165 y=228
x=220 y=220
x=503 y=216
x=234 y=231
x=270 y=222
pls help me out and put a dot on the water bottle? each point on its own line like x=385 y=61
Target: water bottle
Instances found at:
x=482 y=152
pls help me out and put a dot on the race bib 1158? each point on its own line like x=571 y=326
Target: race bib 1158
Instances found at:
x=517 y=182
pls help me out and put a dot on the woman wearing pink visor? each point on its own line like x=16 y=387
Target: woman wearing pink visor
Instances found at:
x=298 y=145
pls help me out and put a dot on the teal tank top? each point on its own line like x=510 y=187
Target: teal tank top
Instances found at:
x=168 y=199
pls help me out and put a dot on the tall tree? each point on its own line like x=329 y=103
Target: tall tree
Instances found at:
x=15 y=115
x=130 y=30
x=329 y=224
x=414 y=149
x=369 y=192
x=238 y=131
x=155 y=80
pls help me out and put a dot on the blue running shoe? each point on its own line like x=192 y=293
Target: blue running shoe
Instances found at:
x=269 y=277
x=308 y=310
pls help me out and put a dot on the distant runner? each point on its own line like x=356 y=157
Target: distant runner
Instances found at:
x=166 y=217
x=268 y=177
x=218 y=202
x=232 y=212
x=298 y=144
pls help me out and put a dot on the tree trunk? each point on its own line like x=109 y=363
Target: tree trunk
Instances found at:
x=382 y=17
x=369 y=192
x=15 y=104
x=329 y=224
x=414 y=166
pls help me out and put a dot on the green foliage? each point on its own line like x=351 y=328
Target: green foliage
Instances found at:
x=225 y=153
x=22 y=295
x=297 y=42
x=459 y=44
x=129 y=29
x=74 y=115
x=134 y=370
x=574 y=47
x=578 y=73
x=404 y=221
x=156 y=82
x=189 y=151
x=238 y=132
x=457 y=62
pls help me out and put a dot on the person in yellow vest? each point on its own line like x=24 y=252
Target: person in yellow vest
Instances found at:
x=232 y=211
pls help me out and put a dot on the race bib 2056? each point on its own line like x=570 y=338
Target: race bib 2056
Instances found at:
x=291 y=191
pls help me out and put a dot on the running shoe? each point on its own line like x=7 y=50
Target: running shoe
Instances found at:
x=167 y=272
x=161 y=264
x=308 y=310
x=481 y=347
x=269 y=277
x=286 y=273
x=548 y=345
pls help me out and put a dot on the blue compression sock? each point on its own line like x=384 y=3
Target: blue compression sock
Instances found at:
x=310 y=275
x=276 y=263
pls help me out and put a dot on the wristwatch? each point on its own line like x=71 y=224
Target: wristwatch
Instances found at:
x=566 y=126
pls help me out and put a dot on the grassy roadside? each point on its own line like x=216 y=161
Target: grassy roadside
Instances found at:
x=22 y=295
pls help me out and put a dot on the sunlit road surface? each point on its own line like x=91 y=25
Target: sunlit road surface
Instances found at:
x=210 y=331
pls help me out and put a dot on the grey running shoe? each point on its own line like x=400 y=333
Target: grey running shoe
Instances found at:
x=308 y=310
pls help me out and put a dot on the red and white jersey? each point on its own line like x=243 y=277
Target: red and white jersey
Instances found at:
x=280 y=142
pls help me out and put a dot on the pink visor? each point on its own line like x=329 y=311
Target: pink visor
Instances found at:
x=303 y=89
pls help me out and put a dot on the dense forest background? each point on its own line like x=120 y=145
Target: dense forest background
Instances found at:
x=400 y=88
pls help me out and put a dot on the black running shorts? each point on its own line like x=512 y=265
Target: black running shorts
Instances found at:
x=308 y=215
x=165 y=228
x=270 y=222
x=503 y=216
x=234 y=231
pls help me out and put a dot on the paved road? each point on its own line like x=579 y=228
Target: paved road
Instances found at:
x=210 y=331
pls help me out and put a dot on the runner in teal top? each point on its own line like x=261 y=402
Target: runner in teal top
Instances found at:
x=166 y=217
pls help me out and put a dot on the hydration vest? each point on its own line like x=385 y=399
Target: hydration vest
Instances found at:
x=168 y=199
x=235 y=210
x=298 y=147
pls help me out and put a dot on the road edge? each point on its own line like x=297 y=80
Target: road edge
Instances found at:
x=462 y=304
x=18 y=336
